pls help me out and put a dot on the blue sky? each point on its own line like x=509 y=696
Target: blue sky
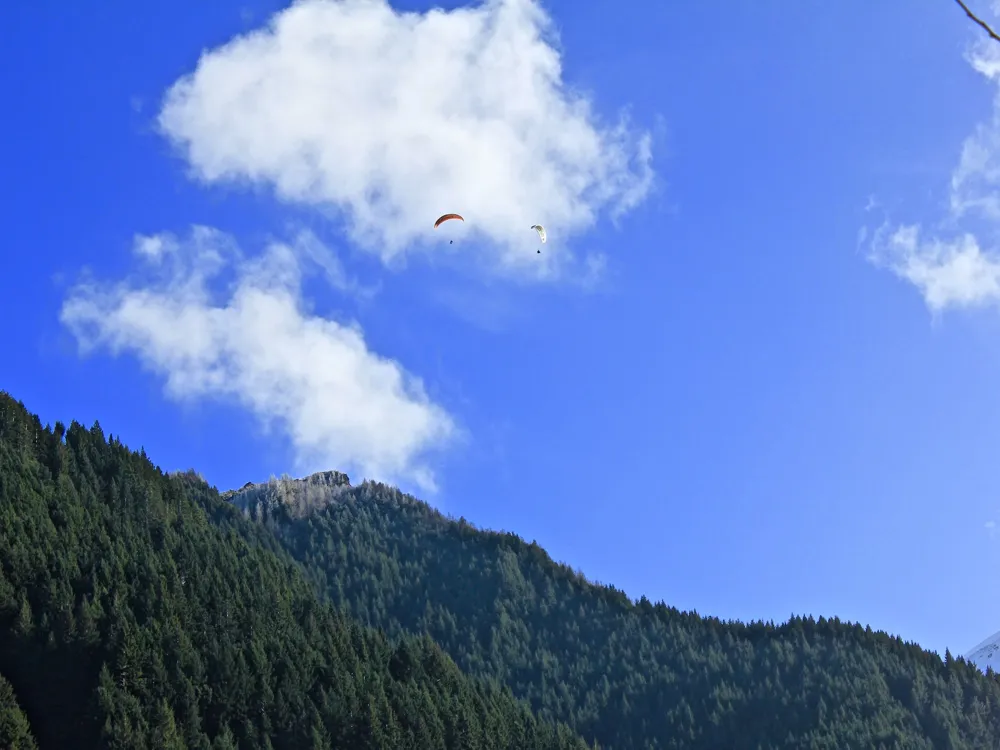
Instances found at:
x=718 y=396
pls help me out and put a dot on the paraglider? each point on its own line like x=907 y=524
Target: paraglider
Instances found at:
x=458 y=217
x=447 y=217
x=541 y=232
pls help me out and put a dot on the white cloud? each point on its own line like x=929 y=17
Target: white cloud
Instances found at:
x=341 y=405
x=991 y=528
x=948 y=273
x=395 y=118
x=962 y=269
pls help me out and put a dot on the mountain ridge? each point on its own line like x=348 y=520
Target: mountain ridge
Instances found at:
x=624 y=672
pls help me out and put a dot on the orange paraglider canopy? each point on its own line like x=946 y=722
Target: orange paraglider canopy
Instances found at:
x=445 y=218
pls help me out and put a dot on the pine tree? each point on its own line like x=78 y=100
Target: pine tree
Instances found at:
x=165 y=734
x=224 y=740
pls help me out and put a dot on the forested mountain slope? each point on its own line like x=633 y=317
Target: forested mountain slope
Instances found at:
x=138 y=610
x=634 y=676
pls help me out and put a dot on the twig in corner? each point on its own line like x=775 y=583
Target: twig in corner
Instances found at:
x=981 y=22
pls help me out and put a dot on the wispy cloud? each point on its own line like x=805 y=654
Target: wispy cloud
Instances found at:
x=340 y=404
x=394 y=118
x=960 y=267
x=991 y=528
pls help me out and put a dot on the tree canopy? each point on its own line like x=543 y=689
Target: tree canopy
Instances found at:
x=144 y=610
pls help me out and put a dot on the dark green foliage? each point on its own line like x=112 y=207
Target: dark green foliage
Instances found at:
x=15 y=734
x=138 y=610
x=632 y=675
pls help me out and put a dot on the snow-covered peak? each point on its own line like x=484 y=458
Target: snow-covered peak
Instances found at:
x=986 y=654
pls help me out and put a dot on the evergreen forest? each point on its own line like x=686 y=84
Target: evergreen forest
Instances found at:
x=140 y=609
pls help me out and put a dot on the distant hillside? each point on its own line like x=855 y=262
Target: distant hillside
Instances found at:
x=139 y=610
x=635 y=676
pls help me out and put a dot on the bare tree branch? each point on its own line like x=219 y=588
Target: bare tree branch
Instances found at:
x=974 y=17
